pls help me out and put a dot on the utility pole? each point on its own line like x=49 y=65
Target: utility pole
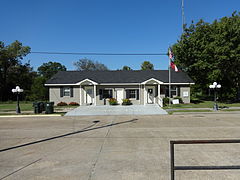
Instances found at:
x=183 y=18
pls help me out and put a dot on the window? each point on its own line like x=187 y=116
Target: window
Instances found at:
x=66 y=91
x=173 y=91
x=105 y=93
x=132 y=94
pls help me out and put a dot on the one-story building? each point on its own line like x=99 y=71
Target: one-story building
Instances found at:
x=96 y=87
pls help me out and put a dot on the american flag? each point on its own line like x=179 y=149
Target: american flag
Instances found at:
x=174 y=67
x=170 y=53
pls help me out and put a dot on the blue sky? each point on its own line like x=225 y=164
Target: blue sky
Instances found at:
x=110 y=26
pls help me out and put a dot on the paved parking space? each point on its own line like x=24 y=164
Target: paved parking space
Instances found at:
x=151 y=109
x=116 y=147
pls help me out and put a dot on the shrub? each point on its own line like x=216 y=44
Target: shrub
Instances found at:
x=126 y=102
x=112 y=101
x=73 y=104
x=179 y=98
x=62 y=104
x=165 y=101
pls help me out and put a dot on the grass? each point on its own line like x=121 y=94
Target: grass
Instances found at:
x=172 y=112
x=24 y=113
x=9 y=107
x=204 y=104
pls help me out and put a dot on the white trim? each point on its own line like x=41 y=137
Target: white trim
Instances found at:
x=119 y=84
x=60 y=84
x=115 y=83
x=93 y=82
x=76 y=84
x=152 y=79
x=154 y=93
x=180 y=83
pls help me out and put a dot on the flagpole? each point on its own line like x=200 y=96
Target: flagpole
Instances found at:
x=169 y=76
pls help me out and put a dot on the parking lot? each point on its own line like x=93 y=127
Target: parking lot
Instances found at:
x=116 y=147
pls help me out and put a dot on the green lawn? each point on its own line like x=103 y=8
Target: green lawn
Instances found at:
x=205 y=104
x=11 y=106
x=24 y=106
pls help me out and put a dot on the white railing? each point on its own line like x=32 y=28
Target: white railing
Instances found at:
x=159 y=101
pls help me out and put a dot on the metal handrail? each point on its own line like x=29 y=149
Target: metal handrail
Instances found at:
x=173 y=167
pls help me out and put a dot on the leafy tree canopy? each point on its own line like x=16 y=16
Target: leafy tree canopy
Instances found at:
x=210 y=52
x=126 y=68
x=12 y=72
x=48 y=69
x=146 y=65
x=90 y=65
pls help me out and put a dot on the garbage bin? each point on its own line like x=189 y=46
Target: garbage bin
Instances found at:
x=49 y=107
x=41 y=106
x=36 y=107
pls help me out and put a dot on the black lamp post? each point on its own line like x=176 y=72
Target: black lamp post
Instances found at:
x=17 y=90
x=215 y=86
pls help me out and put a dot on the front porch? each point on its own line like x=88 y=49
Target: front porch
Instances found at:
x=148 y=92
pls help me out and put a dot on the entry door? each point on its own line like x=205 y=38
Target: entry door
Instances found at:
x=89 y=95
x=119 y=94
x=150 y=95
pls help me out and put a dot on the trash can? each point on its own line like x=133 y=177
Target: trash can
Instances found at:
x=36 y=107
x=41 y=106
x=49 y=107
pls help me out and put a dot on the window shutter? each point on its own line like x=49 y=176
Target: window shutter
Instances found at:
x=61 y=91
x=137 y=94
x=71 y=91
x=111 y=93
x=127 y=94
x=100 y=94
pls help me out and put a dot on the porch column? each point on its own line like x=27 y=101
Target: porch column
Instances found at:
x=144 y=96
x=80 y=95
x=95 y=95
x=159 y=90
x=159 y=97
x=139 y=93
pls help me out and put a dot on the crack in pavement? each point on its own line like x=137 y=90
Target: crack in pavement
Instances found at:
x=100 y=150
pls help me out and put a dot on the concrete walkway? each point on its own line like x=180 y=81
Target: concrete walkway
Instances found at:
x=152 y=109
x=117 y=147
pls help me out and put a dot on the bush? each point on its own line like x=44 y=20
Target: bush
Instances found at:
x=165 y=101
x=126 y=102
x=73 y=104
x=62 y=104
x=179 y=98
x=112 y=101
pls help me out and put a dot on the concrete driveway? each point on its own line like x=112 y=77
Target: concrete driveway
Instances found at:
x=116 y=147
x=152 y=109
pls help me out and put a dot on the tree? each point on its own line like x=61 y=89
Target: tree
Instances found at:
x=10 y=65
x=126 y=68
x=38 y=90
x=146 y=65
x=211 y=52
x=47 y=70
x=90 y=65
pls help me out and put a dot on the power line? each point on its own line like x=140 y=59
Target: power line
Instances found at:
x=101 y=54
